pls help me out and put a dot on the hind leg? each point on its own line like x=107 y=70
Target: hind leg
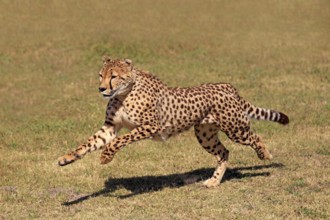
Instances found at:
x=207 y=136
x=247 y=137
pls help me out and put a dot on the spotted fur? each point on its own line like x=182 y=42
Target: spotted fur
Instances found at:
x=149 y=109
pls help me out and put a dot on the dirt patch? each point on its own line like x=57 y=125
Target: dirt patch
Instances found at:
x=12 y=189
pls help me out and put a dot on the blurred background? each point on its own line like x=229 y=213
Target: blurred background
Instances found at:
x=276 y=53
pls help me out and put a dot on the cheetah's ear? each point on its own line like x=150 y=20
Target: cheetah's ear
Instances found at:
x=130 y=63
x=106 y=59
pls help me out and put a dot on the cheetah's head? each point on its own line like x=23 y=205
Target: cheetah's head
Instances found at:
x=116 y=77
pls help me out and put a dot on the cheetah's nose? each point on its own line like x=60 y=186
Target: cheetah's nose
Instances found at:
x=102 y=89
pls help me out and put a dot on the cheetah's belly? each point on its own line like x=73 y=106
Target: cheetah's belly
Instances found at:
x=160 y=137
x=169 y=131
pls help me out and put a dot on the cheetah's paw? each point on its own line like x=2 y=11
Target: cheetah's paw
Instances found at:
x=212 y=182
x=67 y=159
x=265 y=155
x=105 y=159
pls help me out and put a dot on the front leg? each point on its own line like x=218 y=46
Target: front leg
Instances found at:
x=136 y=134
x=102 y=137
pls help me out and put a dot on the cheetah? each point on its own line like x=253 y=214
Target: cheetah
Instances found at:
x=147 y=107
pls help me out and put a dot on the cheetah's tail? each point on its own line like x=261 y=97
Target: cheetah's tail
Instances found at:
x=264 y=114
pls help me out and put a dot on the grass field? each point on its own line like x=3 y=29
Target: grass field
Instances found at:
x=276 y=53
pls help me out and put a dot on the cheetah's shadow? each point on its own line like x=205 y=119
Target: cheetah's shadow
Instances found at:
x=147 y=184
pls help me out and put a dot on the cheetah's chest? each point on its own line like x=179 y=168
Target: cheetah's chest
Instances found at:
x=122 y=119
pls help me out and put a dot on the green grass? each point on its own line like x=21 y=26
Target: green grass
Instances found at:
x=276 y=53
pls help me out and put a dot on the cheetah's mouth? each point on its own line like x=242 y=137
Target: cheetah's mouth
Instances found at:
x=123 y=89
x=112 y=94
